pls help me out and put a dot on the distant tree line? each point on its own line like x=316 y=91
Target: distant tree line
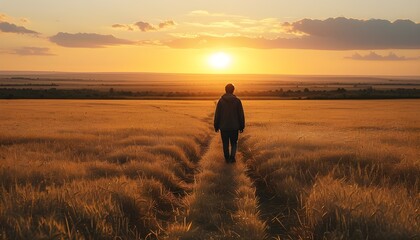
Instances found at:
x=54 y=93
x=339 y=93
x=29 y=85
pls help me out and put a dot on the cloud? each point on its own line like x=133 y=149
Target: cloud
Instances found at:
x=226 y=24
x=24 y=20
x=145 y=26
x=32 y=51
x=344 y=33
x=124 y=26
x=214 y=41
x=372 y=56
x=166 y=24
x=204 y=13
x=216 y=25
x=199 y=13
x=13 y=28
x=329 y=34
x=87 y=40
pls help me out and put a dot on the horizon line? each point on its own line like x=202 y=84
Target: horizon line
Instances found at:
x=186 y=73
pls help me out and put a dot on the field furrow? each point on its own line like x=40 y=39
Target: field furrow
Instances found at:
x=223 y=203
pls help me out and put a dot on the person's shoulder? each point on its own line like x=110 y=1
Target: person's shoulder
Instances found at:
x=219 y=101
x=238 y=99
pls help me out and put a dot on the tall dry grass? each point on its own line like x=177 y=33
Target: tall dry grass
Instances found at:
x=145 y=170
x=97 y=169
x=336 y=169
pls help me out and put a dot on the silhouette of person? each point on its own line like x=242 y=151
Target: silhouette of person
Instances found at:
x=229 y=118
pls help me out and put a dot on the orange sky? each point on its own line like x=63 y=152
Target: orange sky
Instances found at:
x=270 y=37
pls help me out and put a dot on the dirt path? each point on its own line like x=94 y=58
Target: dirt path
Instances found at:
x=223 y=203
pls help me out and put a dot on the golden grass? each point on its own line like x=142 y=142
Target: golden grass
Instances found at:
x=74 y=169
x=96 y=169
x=352 y=211
x=336 y=169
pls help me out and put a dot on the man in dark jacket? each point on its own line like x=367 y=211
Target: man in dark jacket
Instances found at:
x=229 y=118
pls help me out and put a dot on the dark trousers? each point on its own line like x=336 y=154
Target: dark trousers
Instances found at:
x=232 y=137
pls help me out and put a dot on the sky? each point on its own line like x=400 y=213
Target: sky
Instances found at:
x=304 y=37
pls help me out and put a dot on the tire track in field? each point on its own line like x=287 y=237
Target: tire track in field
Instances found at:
x=222 y=204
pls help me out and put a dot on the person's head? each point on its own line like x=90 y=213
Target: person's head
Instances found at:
x=230 y=88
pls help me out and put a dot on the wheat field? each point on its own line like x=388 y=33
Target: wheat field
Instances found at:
x=336 y=169
x=128 y=169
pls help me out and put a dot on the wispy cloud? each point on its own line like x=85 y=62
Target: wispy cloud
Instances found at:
x=166 y=24
x=2 y=17
x=13 y=28
x=32 y=51
x=204 y=13
x=233 y=25
x=145 y=26
x=24 y=20
x=372 y=56
x=87 y=40
x=217 y=42
x=123 y=26
x=329 y=34
x=226 y=24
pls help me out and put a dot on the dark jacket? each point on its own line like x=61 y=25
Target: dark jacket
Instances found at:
x=229 y=113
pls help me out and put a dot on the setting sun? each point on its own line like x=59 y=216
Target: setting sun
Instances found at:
x=220 y=60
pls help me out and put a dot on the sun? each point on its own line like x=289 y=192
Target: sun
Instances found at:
x=220 y=60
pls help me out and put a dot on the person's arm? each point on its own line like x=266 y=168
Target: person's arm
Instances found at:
x=217 y=117
x=241 y=115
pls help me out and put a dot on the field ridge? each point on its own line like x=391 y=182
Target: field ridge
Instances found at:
x=274 y=209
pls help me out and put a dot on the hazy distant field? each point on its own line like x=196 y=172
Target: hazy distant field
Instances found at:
x=208 y=83
x=154 y=170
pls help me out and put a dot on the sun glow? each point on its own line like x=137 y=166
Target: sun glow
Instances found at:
x=220 y=60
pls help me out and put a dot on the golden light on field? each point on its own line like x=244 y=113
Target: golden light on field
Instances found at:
x=97 y=161
x=219 y=60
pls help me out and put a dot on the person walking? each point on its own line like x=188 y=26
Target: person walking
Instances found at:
x=229 y=118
